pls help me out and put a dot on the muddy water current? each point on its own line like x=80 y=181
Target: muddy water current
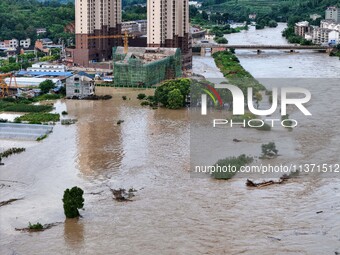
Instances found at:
x=172 y=212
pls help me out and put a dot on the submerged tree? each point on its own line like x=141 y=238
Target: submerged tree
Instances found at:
x=73 y=200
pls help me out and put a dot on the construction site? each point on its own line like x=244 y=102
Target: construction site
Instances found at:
x=145 y=67
x=7 y=84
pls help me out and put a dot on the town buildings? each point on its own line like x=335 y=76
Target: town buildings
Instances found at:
x=99 y=18
x=135 y=27
x=328 y=32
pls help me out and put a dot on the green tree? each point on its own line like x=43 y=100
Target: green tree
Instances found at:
x=175 y=99
x=73 y=200
x=258 y=98
x=46 y=86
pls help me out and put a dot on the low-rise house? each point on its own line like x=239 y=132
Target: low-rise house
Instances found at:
x=41 y=31
x=80 y=85
x=25 y=43
x=315 y=16
x=46 y=67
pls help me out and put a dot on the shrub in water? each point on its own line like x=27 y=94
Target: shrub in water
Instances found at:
x=141 y=96
x=73 y=200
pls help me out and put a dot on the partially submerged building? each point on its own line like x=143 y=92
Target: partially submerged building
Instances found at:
x=80 y=85
x=145 y=66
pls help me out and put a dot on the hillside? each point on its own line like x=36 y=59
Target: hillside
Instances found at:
x=279 y=10
x=20 y=18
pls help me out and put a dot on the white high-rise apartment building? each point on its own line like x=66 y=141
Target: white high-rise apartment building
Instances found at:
x=168 y=26
x=100 y=18
x=333 y=13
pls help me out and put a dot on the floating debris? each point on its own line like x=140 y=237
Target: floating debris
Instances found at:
x=121 y=195
x=3 y=203
x=253 y=184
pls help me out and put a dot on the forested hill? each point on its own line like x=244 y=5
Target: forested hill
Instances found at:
x=279 y=10
x=124 y=2
x=20 y=18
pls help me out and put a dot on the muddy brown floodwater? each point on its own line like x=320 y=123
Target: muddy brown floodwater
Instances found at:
x=173 y=213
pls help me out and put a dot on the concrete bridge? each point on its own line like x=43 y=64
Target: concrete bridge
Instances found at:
x=204 y=47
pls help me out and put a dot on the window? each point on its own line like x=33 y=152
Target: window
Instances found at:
x=76 y=91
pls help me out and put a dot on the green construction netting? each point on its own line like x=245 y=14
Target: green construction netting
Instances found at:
x=135 y=73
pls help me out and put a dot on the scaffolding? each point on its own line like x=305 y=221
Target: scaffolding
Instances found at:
x=140 y=68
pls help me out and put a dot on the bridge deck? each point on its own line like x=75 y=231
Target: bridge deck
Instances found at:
x=260 y=47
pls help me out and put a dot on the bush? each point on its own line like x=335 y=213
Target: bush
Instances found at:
x=124 y=98
x=236 y=162
x=36 y=226
x=64 y=113
x=141 y=96
x=145 y=103
x=221 y=40
x=269 y=150
x=175 y=99
x=73 y=200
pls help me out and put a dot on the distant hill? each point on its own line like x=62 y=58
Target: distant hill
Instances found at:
x=280 y=10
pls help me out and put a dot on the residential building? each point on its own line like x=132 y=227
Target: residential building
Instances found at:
x=130 y=26
x=143 y=26
x=315 y=16
x=14 y=43
x=25 y=43
x=41 y=31
x=80 y=85
x=96 y=18
x=252 y=16
x=168 y=26
x=302 y=28
x=195 y=3
x=321 y=35
x=330 y=24
x=333 y=13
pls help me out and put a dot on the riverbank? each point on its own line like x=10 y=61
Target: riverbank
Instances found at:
x=233 y=71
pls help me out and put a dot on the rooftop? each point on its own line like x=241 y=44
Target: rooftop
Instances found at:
x=146 y=55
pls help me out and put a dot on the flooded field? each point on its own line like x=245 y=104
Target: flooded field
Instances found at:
x=173 y=213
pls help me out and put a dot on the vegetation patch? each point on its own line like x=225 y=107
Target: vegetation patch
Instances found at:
x=43 y=137
x=38 y=118
x=48 y=97
x=38 y=227
x=226 y=168
x=11 y=151
x=141 y=96
x=173 y=93
x=28 y=108
x=269 y=151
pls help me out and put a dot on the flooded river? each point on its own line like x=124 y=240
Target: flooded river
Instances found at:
x=173 y=213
